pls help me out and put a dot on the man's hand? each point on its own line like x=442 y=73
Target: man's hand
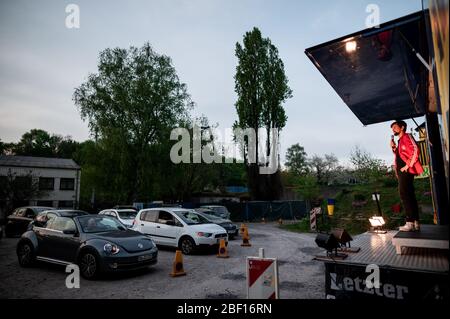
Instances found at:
x=393 y=146
x=404 y=168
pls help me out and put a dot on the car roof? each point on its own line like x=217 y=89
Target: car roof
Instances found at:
x=212 y=206
x=169 y=209
x=66 y=212
x=32 y=207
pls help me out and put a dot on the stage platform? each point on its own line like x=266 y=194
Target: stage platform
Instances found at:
x=379 y=249
x=429 y=236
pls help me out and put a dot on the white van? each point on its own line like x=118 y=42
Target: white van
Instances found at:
x=178 y=227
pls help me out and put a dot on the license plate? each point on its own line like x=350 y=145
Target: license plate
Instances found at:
x=145 y=257
x=230 y=231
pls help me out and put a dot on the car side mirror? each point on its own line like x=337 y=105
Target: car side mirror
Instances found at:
x=69 y=231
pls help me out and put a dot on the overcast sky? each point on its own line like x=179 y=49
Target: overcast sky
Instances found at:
x=42 y=61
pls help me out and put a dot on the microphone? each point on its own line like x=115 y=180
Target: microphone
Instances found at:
x=393 y=145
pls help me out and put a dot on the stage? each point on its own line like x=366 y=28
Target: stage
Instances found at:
x=416 y=273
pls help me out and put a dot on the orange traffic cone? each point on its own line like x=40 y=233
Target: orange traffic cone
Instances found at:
x=177 y=269
x=241 y=230
x=223 y=252
x=245 y=238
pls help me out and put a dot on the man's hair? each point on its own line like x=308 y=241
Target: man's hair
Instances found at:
x=401 y=124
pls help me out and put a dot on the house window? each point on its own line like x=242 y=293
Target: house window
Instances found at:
x=67 y=184
x=45 y=203
x=46 y=183
x=65 y=204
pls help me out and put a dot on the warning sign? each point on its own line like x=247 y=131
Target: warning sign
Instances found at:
x=262 y=278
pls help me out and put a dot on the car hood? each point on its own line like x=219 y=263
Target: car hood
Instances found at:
x=207 y=228
x=129 y=240
x=127 y=222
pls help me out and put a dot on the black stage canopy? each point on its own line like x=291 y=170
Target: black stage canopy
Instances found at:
x=377 y=71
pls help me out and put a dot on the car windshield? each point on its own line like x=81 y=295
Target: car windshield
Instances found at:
x=97 y=224
x=191 y=217
x=220 y=209
x=127 y=214
x=210 y=216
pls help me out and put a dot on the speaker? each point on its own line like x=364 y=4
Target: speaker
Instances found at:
x=327 y=241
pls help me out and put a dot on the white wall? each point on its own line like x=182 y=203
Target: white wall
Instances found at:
x=55 y=195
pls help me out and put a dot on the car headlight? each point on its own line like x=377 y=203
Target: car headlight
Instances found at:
x=202 y=234
x=111 y=249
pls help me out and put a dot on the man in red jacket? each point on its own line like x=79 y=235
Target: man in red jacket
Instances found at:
x=407 y=165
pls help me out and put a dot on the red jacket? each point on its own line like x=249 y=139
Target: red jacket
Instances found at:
x=409 y=153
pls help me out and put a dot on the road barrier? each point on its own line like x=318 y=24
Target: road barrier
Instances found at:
x=262 y=277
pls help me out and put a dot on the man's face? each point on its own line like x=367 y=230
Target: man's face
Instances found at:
x=396 y=129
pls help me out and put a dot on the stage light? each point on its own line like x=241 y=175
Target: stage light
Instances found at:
x=342 y=236
x=377 y=223
x=350 y=46
x=329 y=242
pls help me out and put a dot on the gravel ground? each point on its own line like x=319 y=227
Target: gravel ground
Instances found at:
x=207 y=276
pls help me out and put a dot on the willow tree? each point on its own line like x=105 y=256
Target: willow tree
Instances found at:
x=130 y=105
x=262 y=88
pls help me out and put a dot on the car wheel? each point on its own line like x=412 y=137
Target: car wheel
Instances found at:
x=89 y=266
x=25 y=254
x=187 y=245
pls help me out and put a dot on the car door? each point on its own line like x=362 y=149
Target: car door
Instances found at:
x=62 y=246
x=147 y=224
x=167 y=228
x=42 y=234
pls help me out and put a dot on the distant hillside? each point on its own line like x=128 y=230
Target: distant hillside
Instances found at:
x=354 y=205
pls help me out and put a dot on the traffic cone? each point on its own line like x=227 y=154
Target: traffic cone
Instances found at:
x=177 y=268
x=223 y=252
x=245 y=238
x=241 y=230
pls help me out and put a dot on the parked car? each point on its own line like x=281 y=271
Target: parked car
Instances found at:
x=231 y=228
x=220 y=211
x=43 y=217
x=95 y=243
x=17 y=222
x=126 y=216
x=125 y=207
x=178 y=227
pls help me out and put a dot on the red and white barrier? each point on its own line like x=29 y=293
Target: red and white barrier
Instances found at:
x=313 y=217
x=262 y=278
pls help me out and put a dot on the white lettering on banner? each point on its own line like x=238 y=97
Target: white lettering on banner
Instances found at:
x=388 y=290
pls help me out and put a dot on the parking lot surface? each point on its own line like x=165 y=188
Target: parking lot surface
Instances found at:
x=207 y=276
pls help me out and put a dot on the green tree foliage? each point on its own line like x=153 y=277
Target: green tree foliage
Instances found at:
x=308 y=187
x=40 y=143
x=366 y=167
x=323 y=167
x=262 y=87
x=296 y=160
x=131 y=104
x=18 y=188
